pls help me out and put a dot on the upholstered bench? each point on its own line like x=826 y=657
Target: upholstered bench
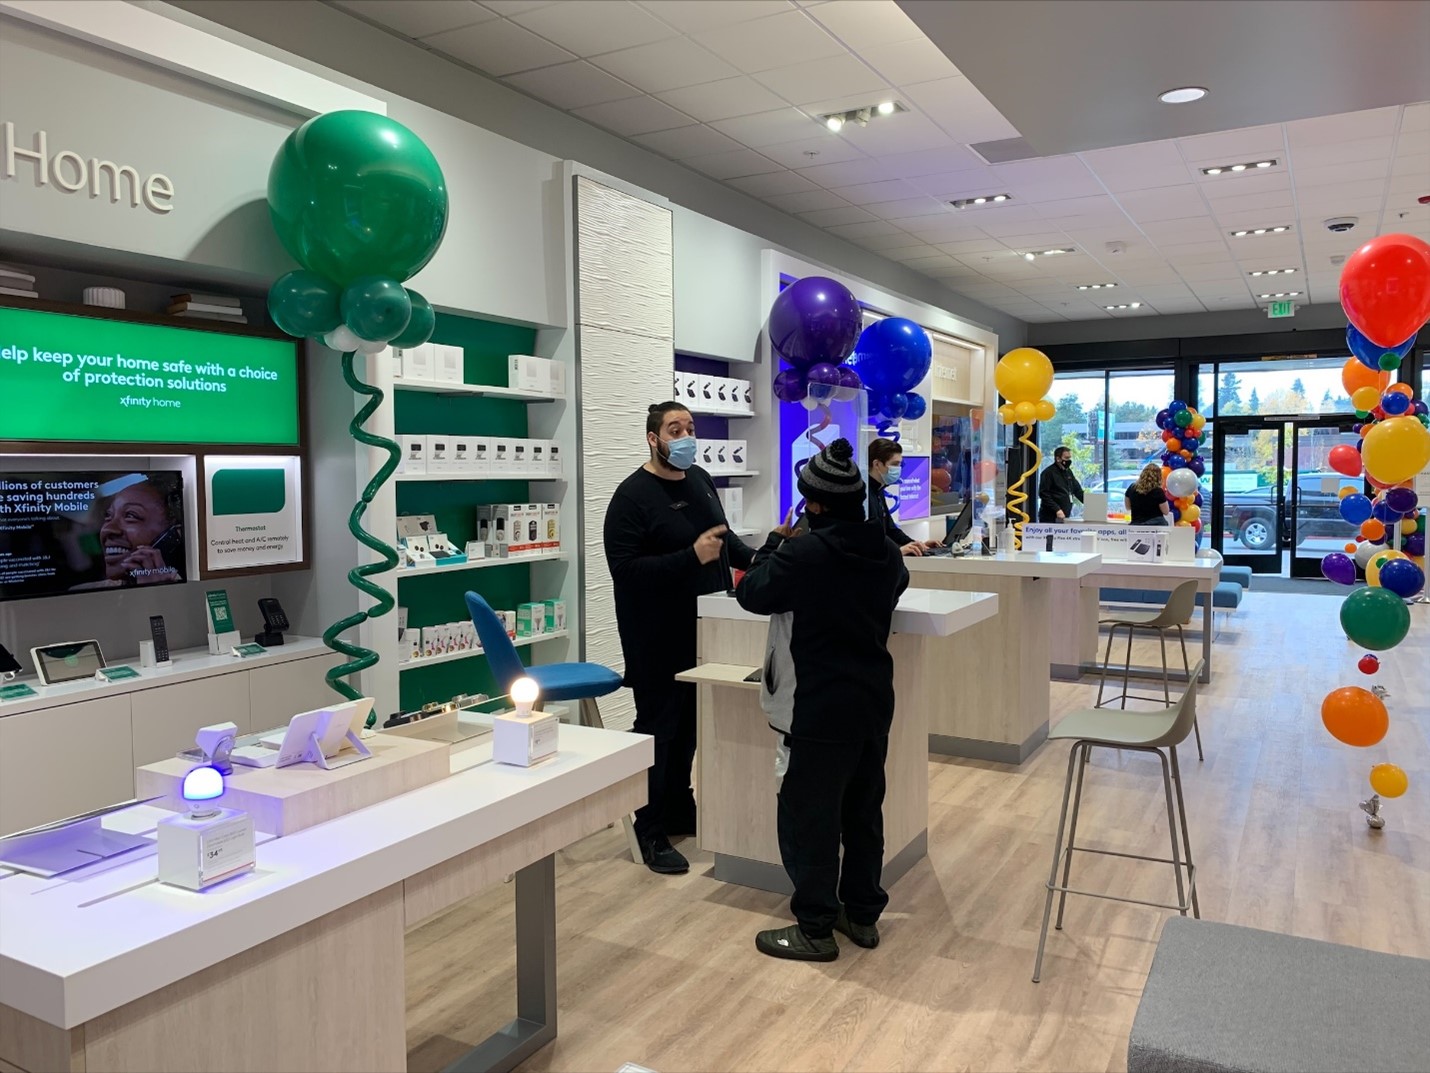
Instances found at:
x=1240 y=574
x=1225 y=594
x=1221 y=997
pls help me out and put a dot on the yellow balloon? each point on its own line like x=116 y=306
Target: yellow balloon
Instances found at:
x=1379 y=559
x=1365 y=398
x=1005 y=413
x=1350 y=489
x=1388 y=780
x=1396 y=449
x=1047 y=410
x=1198 y=421
x=1024 y=375
x=1025 y=412
x=1192 y=513
x=1408 y=525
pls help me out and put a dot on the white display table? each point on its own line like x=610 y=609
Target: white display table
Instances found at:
x=737 y=783
x=997 y=705
x=298 y=966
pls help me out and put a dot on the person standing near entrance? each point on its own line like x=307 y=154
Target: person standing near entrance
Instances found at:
x=1146 y=502
x=666 y=545
x=1057 y=488
x=830 y=690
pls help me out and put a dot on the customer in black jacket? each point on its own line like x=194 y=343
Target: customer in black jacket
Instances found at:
x=667 y=544
x=839 y=583
x=886 y=463
x=1057 y=488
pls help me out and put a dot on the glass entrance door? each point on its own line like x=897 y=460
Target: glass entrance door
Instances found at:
x=1314 y=493
x=1248 y=479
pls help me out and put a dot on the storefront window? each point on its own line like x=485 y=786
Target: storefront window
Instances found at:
x=1079 y=424
x=1286 y=386
x=1133 y=438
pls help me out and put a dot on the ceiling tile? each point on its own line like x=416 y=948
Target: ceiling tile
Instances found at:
x=685 y=142
x=498 y=47
x=1216 y=187
x=774 y=182
x=883 y=243
x=967 y=182
x=912 y=208
x=1277 y=202
x=863 y=23
x=814 y=80
x=732 y=164
x=689 y=18
x=514 y=7
x=911 y=252
x=1166 y=203
x=769 y=128
x=770 y=42
x=823 y=148
x=917 y=60
x=572 y=85
x=635 y=115
x=1202 y=274
x=1350 y=126
x=1310 y=156
x=847 y=173
x=965 y=247
x=866 y=229
x=1351 y=171
x=957 y=106
x=723 y=99
x=897 y=135
x=1415 y=119
x=418 y=18
x=595 y=26
x=1234 y=146
x=665 y=65
x=1138 y=167
x=809 y=201
x=843 y=214
x=949 y=158
x=873 y=193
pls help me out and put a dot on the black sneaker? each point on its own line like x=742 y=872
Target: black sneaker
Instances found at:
x=660 y=856
x=793 y=944
x=865 y=935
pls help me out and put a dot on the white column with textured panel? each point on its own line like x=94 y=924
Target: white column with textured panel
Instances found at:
x=625 y=316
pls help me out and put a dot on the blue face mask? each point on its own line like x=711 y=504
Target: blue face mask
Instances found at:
x=681 y=453
x=894 y=475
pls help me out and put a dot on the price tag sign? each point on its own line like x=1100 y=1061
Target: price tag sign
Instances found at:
x=16 y=692
x=115 y=674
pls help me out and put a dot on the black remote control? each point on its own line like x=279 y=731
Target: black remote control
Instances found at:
x=161 y=638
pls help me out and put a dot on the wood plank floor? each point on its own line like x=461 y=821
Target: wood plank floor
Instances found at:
x=663 y=972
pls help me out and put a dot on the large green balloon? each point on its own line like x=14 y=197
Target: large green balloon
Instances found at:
x=419 y=325
x=355 y=194
x=376 y=309
x=303 y=303
x=1375 y=618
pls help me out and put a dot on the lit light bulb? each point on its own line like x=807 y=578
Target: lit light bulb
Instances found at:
x=1000 y=197
x=1238 y=167
x=1277 y=230
x=1027 y=256
x=835 y=123
x=203 y=784
x=1263 y=163
x=524 y=692
x=980 y=200
x=886 y=108
x=1213 y=171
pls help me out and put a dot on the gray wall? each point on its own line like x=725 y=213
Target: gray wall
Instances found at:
x=335 y=41
x=1230 y=322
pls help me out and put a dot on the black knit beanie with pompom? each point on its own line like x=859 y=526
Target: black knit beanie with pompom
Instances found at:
x=832 y=479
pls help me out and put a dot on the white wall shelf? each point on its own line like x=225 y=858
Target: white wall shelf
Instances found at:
x=480 y=477
x=745 y=473
x=480 y=564
x=472 y=653
x=445 y=387
x=723 y=413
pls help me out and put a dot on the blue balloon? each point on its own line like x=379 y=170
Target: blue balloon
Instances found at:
x=1176 y=462
x=918 y=406
x=896 y=406
x=1356 y=508
x=1402 y=577
x=1383 y=512
x=1368 y=353
x=1177 y=407
x=893 y=355
x=1394 y=403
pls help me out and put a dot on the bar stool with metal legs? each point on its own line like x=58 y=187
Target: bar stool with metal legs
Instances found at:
x=1140 y=731
x=1175 y=614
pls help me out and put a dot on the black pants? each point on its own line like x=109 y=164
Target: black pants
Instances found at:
x=666 y=711
x=833 y=792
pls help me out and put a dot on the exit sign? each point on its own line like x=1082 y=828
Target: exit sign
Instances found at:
x=1281 y=309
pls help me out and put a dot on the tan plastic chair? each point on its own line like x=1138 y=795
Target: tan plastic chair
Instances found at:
x=1140 y=731
x=1175 y=614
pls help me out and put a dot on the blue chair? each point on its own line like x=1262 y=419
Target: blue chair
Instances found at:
x=582 y=682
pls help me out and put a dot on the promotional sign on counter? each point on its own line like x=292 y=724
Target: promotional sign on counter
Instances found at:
x=254 y=514
x=914 y=488
x=1146 y=543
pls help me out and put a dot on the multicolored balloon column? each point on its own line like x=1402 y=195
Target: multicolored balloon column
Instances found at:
x=813 y=325
x=1183 y=436
x=1023 y=377
x=1385 y=292
x=359 y=201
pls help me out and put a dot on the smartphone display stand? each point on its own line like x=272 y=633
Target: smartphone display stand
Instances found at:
x=146 y=656
x=315 y=754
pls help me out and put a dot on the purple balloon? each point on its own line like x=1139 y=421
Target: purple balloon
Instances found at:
x=815 y=320
x=1383 y=511
x=1414 y=545
x=789 y=386
x=1164 y=419
x=1197 y=466
x=1421 y=407
x=1401 y=500
x=1340 y=568
x=822 y=380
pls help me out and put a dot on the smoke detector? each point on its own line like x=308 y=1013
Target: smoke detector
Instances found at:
x=1341 y=224
x=1338 y=259
x=1116 y=247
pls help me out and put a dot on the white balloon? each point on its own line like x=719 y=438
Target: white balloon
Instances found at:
x=1182 y=483
x=371 y=346
x=1365 y=551
x=342 y=339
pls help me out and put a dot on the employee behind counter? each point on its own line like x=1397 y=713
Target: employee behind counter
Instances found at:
x=1057 y=488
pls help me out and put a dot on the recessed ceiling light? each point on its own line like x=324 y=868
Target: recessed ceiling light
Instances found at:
x=1260 y=231
x=1029 y=256
x=887 y=107
x=1095 y=286
x=1125 y=305
x=1182 y=95
x=1281 y=294
x=1222 y=169
x=1044 y=253
x=1263 y=164
x=982 y=199
x=1273 y=271
x=834 y=123
x=837 y=121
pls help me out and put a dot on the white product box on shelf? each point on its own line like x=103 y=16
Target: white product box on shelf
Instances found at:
x=414 y=454
x=727 y=392
x=419 y=362
x=555 y=615
x=464 y=459
x=439 y=453
x=553 y=459
x=747 y=397
x=536 y=460
x=532 y=516
x=550 y=527
x=520 y=458
x=450 y=364
x=557 y=378
x=494 y=523
x=739 y=459
x=705 y=392
x=689 y=389
x=525 y=372
x=530 y=620
x=501 y=455
x=733 y=500
x=482 y=455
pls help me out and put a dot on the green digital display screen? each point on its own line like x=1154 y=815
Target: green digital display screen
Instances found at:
x=67 y=377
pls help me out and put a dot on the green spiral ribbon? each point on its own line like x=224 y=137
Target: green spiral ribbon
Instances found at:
x=359 y=658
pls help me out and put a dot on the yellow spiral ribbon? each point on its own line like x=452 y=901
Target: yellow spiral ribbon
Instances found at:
x=1016 y=496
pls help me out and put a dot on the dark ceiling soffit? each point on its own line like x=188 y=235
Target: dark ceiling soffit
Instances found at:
x=1132 y=351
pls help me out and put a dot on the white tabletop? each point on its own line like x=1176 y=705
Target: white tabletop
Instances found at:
x=930 y=612
x=1031 y=564
x=79 y=946
x=185 y=666
x=1207 y=565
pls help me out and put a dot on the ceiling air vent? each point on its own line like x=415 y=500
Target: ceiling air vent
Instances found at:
x=1005 y=150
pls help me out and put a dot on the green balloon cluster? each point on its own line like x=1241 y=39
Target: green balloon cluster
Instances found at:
x=361 y=204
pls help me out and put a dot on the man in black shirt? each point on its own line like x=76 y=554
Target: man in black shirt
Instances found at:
x=666 y=545
x=1057 y=488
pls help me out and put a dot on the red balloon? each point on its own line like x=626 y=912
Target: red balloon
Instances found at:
x=941 y=480
x=1385 y=288
x=1368 y=664
x=1345 y=459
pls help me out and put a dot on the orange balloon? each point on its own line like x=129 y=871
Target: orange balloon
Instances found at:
x=1185 y=454
x=1355 y=374
x=1372 y=529
x=1355 y=716
x=1351 y=548
x=1174 y=444
x=1403 y=389
x=1166 y=472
